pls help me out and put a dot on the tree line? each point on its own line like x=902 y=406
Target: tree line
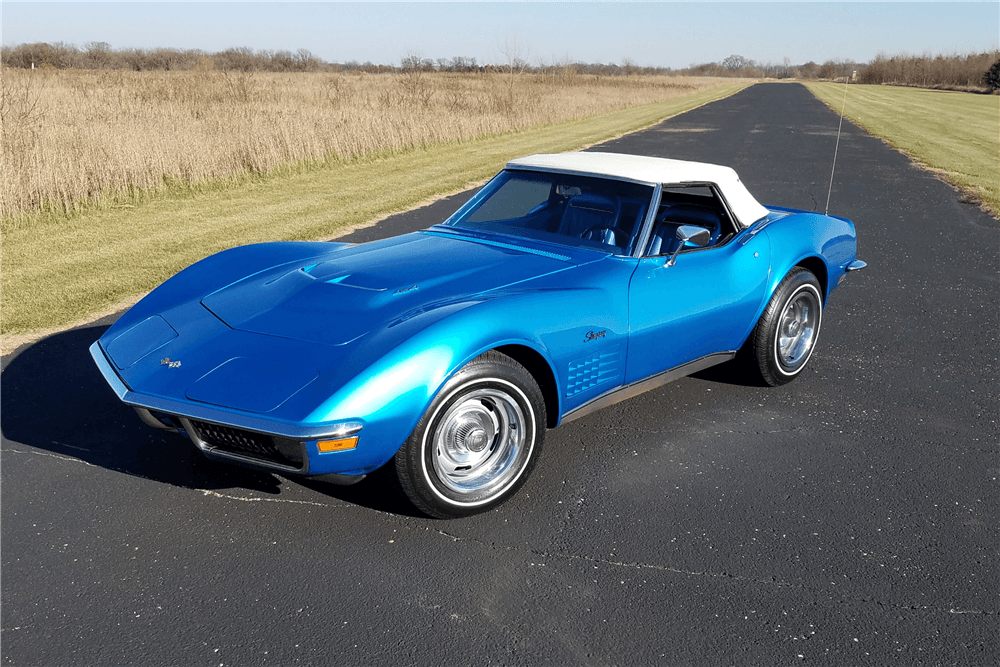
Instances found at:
x=968 y=72
x=100 y=55
x=972 y=72
x=962 y=72
x=739 y=66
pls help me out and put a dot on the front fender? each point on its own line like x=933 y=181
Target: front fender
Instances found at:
x=392 y=393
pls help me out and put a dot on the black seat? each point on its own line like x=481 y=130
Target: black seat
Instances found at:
x=584 y=212
x=664 y=238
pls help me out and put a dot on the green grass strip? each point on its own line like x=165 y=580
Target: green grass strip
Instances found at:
x=55 y=273
x=950 y=132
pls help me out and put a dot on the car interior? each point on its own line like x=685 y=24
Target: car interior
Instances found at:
x=696 y=205
x=603 y=214
x=599 y=213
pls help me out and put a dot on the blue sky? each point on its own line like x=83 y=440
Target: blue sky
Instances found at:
x=669 y=34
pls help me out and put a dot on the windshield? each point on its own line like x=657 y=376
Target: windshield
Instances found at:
x=583 y=211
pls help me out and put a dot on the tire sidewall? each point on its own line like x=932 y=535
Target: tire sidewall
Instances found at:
x=807 y=283
x=419 y=477
x=427 y=471
x=765 y=345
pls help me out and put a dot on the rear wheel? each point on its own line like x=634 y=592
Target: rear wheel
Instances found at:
x=784 y=339
x=478 y=441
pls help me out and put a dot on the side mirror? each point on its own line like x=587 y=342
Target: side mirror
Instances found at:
x=692 y=234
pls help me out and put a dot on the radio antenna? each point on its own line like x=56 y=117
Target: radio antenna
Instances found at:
x=837 y=147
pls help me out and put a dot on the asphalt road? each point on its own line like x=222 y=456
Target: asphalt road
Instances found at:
x=848 y=518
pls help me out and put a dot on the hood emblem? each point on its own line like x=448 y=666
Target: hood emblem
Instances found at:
x=170 y=364
x=405 y=289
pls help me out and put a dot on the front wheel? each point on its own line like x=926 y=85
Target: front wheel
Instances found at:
x=478 y=441
x=785 y=337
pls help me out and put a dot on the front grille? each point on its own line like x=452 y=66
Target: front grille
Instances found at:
x=248 y=443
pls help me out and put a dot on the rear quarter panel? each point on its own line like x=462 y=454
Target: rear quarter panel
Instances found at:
x=825 y=244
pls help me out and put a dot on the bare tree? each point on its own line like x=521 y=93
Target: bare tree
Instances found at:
x=410 y=62
x=515 y=54
x=413 y=84
x=735 y=62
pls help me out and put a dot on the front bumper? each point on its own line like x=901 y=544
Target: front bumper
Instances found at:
x=243 y=439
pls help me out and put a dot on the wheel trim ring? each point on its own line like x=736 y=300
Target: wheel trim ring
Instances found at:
x=516 y=468
x=806 y=335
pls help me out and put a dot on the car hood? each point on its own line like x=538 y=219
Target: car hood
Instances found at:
x=339 y=298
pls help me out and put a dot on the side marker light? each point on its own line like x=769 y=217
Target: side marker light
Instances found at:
x=338 y=445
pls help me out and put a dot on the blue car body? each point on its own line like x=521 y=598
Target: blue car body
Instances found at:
x=276 y=347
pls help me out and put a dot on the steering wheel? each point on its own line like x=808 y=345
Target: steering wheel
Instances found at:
x=612 y=228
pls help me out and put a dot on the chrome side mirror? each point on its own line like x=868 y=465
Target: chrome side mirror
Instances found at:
x=698 y=236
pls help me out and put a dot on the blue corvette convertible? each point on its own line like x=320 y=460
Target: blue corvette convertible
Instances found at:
x=568 y=283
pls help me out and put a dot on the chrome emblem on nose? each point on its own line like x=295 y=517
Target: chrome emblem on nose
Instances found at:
x=170 y=364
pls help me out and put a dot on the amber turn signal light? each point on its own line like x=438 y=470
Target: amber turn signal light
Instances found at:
x=338 y=445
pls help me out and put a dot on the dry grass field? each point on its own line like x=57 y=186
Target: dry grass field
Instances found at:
x=75 y=138
x=84 y=257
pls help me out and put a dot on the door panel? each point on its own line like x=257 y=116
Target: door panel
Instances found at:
x=704 y=303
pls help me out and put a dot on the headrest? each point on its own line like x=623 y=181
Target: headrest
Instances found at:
x=692 y=214
x=593 y=202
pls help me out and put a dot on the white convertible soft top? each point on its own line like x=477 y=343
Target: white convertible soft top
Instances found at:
x=653 y=170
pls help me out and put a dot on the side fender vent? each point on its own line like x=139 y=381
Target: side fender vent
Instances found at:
x=592 y=370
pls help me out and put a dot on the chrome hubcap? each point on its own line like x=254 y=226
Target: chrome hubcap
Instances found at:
x=478 y=442
x=797 y=329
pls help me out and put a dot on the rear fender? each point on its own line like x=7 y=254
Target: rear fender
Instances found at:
x=824 y=244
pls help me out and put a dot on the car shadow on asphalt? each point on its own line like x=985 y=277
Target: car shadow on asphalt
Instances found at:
x=737 y=372
x=54 y=399
x=375 y=492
